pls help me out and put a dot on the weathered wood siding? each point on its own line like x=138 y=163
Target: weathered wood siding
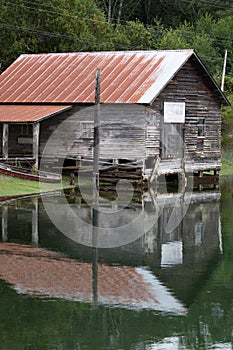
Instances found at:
x=0 y=140
x=126 y=132
x=152 y=141
x=133 y=132
x=48 y=127
x=190 y=87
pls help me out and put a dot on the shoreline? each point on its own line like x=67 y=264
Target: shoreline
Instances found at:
x=14 y=187
x=11 y=187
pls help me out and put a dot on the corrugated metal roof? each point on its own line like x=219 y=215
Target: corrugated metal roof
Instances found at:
x=24 y=113
x=126 y=77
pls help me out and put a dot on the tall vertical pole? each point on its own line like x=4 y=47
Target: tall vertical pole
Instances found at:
x=95 y=213
x=96 y=138
x=224 y=70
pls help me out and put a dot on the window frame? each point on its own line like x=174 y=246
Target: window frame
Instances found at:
x=87 y=129
x=201 y=128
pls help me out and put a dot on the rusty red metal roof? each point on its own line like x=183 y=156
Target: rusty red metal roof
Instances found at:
x=25 y=113
x=126 y=77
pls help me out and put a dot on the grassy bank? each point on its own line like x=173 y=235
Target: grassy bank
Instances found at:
x=227 y=168
x=11 y=186
x=227 y=163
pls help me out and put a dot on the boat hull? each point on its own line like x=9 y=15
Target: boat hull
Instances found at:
x=42 y=177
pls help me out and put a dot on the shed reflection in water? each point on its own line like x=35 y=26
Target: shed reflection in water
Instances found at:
x=158 y=255
x=151 y=272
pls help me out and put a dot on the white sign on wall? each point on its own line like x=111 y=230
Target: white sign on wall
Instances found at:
x=174 y=112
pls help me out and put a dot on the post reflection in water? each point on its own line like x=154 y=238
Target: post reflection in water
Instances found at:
x=152 y=281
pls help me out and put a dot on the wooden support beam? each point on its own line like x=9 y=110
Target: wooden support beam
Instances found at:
x=154 y=174
x=182 y=181
x=200 y=173
x=36 y=135
x=5 y=140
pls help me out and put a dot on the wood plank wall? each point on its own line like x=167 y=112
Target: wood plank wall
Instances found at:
x=123 y=132
x=152 y=142
x=189 y=86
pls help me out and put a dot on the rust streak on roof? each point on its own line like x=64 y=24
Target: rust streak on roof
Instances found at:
x=126 y=76
x=25 y=113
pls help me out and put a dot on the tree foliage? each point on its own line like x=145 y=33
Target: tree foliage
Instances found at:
x=36 y=26
x=51 y=26
x=33 y=26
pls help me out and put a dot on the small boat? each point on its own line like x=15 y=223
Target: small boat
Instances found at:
x=42 y=176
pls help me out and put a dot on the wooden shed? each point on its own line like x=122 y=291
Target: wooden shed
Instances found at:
x=160 y=111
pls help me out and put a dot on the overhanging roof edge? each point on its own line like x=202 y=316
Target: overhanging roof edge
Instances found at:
x=67 y=108
x=144 y=100
x=34 y=119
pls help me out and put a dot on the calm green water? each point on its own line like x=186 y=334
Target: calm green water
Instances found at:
x=169 y=289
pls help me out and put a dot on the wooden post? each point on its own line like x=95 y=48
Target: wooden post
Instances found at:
x=36 y=134
x=95 y=213
x=154 y=173
x=200 y=173
x=5 y=138
x=96 y=139
x=72 y=179
x=4 y=223
x=182 y=181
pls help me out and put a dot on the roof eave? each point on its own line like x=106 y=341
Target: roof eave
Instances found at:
x=54 y=114
x=150 y=101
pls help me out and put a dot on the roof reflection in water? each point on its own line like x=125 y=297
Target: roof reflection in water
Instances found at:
x=38 y=271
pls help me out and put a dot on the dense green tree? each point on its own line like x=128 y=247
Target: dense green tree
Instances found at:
x=80 y=25
x=174 y=12
x=132 y=36
x=51 y=26
x=186 y=36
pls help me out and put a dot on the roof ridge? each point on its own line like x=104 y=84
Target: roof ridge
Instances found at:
x=103 y=52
